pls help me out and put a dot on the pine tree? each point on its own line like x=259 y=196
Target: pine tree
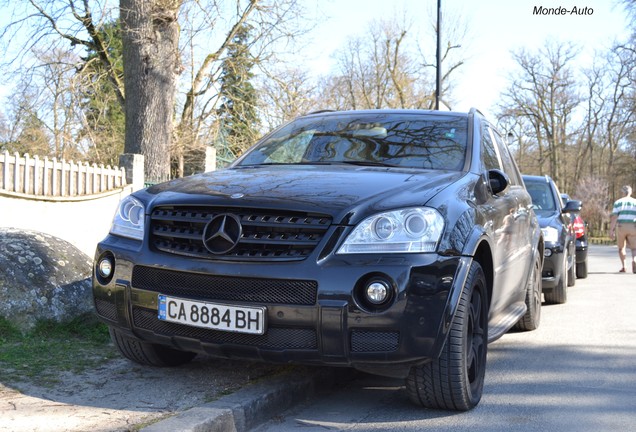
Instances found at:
x=237 y=113
x=105 y=122
x=33 y=137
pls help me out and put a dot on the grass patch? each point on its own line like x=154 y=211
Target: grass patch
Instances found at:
x=50 y=348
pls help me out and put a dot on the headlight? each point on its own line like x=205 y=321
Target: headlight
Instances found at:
x=407 y=230
x=129 y=219
x=550 y=234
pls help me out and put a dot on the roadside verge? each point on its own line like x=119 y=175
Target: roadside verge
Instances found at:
x=253 y=404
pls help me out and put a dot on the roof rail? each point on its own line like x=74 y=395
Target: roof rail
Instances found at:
x=320 y=111
x=474 y=110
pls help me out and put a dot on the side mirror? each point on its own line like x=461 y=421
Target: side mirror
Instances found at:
x=572 y=206
x=498 y=181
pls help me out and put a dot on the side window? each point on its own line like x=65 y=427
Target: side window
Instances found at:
x=489 y=157
x=509 y=165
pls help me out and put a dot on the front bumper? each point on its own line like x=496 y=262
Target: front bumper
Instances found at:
x=552 y=268
x=315 y=311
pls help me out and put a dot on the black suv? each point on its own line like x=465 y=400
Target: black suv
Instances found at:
x=556 y=220
x=396 y=242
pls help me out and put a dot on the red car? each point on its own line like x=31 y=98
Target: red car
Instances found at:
x=580 y=230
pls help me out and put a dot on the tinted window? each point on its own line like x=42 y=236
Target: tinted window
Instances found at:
x=412 y=141
x=506 y=158
x=489 y=156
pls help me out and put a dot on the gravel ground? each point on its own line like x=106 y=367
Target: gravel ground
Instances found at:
x=122 y=396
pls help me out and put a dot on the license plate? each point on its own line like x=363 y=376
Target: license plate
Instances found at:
x=216 y=316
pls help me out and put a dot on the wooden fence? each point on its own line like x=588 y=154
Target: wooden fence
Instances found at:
x=52 y=178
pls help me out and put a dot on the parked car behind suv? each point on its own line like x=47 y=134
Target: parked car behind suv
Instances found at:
x=396 y=242
x=579 y=226
x=555 y=220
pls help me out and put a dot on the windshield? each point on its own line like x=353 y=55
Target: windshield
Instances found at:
x=542 y=198
x=387 y=139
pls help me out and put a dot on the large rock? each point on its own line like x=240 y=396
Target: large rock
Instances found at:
x=42 y=278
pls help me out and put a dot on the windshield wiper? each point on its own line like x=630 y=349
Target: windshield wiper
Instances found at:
x=338 y=162
x=264 y=164
x=369 y=163
x=348 y=162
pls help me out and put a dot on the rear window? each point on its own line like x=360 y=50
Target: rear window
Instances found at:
x=410 y=141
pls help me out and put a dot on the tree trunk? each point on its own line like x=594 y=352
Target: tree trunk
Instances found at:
x=151 y=65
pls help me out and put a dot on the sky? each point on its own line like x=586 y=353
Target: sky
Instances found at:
x=496 y=27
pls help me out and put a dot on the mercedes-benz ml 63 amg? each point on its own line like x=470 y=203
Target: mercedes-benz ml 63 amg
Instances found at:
x=396 y=242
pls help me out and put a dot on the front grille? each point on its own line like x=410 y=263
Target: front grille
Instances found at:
x=374 y=341
x=268 y=235
x=274 y=337
x=214 y=287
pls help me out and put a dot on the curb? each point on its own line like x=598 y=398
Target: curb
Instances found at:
x=251 y=405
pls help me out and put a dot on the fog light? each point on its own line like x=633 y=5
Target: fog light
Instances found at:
x=547 y=252
x=105 y=267
x=377 y=292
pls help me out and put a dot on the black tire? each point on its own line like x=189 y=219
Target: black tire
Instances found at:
x=455 y=380
x=148 y=354
x=581 y=269
x=532 y=317
x=572 y=270
x=559 y=295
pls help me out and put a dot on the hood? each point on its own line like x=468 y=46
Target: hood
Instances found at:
x=346 y=193
x=547 y=218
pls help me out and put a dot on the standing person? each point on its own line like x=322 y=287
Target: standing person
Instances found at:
x=623 y=226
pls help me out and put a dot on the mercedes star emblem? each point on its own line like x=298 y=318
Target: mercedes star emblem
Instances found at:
x=222 y=233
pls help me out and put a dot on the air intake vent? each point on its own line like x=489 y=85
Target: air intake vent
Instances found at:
x=225 y=288
x=373 y=341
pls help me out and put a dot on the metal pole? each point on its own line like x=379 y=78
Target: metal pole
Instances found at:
x=438 y=70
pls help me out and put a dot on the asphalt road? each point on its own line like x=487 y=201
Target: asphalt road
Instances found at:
x=577 y=372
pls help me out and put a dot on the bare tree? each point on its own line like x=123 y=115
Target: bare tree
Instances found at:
x=47 y=105
x=620 y=115
x=274 y=24
x=387 y=68
x=546 y=97
x=630 y=8
x=57 y=25
x=203 y=78
x=154 y=63
x=286 y=94
x=5 y=131
x=59 y=100
x=595 y=101
x=25 y=131
x=48 y=55
x=545 y=94
x=594 y=192
x=375 y=71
